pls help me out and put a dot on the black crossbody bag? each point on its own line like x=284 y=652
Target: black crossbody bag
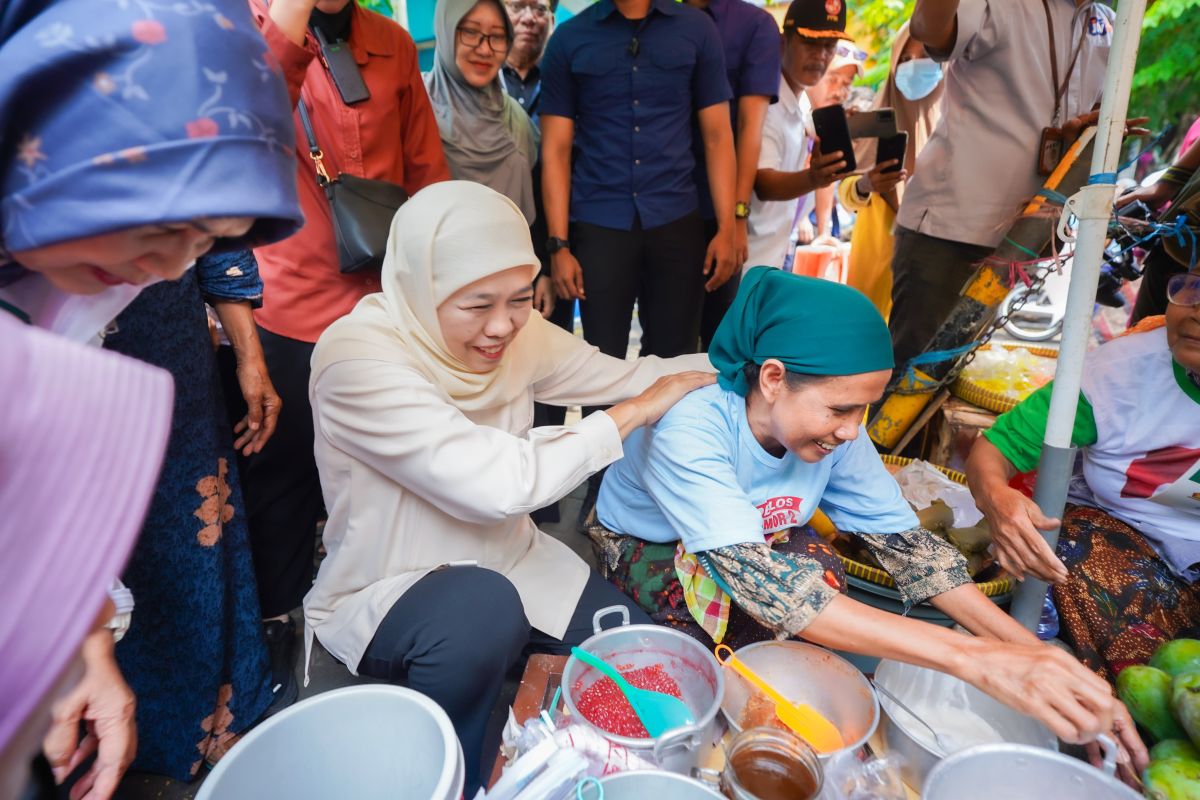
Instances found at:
x=362 y=209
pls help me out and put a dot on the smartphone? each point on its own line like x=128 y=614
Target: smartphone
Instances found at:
x=875 y=124
x=892 y=147
x=344 y=69
x=834 y=133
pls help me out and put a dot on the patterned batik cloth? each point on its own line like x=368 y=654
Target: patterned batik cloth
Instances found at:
x=194 y=655
x=1120 y=601
x=778 y=587
x=646 y=572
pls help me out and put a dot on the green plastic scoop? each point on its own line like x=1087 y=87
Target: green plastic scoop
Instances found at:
x=658 y=712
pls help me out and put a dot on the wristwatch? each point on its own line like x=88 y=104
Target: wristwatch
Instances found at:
x=554 y=244
x=741 y=210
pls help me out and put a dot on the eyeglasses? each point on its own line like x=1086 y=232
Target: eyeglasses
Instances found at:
x=539 y=10
x=1184 y=290
x=849 y=51
x=473 y=37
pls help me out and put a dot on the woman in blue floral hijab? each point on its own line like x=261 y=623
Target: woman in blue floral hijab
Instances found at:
x=137 y=136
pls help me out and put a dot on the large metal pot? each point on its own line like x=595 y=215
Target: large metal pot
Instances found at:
x=805 y=673
x=693 y=667
x=918 y=687
x=1020 y=772
x=653 y=786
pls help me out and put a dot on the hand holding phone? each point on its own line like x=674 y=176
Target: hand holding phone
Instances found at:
x=892 y=148
x=834 y=133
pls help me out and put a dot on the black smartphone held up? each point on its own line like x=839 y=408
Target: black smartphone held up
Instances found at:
x=892 y=147
x=874 y=124
x=342 y=67
x=834 y=133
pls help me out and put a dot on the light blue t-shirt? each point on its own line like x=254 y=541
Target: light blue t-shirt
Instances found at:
x=700 y=476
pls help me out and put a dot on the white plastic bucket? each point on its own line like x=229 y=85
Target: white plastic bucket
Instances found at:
x=365 y=742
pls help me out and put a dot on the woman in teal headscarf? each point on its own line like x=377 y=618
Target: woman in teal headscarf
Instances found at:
x=702 y=521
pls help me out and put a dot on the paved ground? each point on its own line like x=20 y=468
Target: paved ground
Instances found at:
x=327 y=673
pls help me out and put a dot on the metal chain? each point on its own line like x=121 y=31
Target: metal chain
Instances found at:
x=1035 y=284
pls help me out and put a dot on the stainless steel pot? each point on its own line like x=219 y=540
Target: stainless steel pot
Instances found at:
x=918 y=687
x=805 y=673
x=652 y=786
x=689 y=663
x=1020 y=772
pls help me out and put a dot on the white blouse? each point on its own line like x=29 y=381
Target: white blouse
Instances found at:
x=412 y=483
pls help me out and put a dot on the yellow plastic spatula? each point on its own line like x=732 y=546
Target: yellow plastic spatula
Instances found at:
x=804 y=720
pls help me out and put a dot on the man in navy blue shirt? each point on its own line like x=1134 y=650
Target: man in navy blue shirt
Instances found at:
x=621 y=83
x=752 y=64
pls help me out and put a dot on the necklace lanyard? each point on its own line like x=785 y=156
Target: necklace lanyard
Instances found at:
x=1060 y=89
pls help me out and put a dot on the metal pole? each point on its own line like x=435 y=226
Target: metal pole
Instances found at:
x=1092 y=206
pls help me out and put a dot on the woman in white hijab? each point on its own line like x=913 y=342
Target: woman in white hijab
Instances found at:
x=422 y=399
x=486 y=135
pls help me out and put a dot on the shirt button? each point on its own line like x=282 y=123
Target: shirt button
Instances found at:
x=635 y=194
x=635 y=67
x=635 y=102
x=637 y=128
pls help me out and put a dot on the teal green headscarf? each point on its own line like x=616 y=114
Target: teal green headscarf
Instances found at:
x=813 y=326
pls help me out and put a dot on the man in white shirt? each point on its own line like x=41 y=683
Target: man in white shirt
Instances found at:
x=811 y=31
x=1014 y=67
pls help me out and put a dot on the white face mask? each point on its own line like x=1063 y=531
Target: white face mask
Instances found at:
x=917 y=78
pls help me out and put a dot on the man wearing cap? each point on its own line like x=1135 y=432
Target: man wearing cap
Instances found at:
x=1017 y=72
x=811 y=32
x=751 y=40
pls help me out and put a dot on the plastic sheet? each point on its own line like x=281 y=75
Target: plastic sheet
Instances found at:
x=921 y=483
x=1014 y=374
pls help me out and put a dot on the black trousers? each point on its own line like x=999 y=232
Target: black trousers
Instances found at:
x=281 y=486
x=455 y=634
x=928 y=275
x=716 y=302
x=661 y=269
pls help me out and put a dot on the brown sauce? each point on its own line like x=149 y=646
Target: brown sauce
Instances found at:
x=770 y=775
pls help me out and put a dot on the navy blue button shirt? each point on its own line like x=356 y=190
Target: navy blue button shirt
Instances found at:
x=752 y=64
x=633 y=107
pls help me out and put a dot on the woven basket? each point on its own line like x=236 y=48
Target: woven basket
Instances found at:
x=878 y=576
x=995 y=402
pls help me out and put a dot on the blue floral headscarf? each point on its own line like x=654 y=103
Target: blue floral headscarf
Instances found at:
x=122 y=113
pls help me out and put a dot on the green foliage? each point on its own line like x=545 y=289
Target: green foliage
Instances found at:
x=873 y=24
x=382 y=6
x=1165 y=86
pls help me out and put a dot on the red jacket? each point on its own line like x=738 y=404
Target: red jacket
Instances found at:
x=393 y=136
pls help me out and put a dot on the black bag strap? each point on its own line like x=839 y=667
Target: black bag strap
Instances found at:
x=314 y=150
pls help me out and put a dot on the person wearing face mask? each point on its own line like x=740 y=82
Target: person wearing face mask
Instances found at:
x=703 y=519
x=423 y=400
x=914 y=90
x=1017 y=72
x=811 y=33
x=92 y=223
x=486 y=135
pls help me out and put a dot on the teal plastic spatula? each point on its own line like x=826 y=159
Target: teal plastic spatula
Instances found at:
x=658 y=712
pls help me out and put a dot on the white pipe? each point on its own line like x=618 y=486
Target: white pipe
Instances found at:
x=1092 y=205
x=400 y=12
